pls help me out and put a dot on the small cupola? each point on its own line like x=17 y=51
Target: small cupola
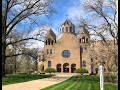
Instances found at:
x=67 y=27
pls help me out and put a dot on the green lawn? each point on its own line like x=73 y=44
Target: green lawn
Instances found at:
x=17 y=78
x=81 y=83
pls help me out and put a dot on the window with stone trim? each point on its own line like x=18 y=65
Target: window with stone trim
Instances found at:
x=49 y=64
x=50 y=51
x=79 y=40
x=84 y=64
x=66 y=53
x=70 y=29
x=66 y=29
x=86 y=40
x=81 y=49
x=39 y=58
x=62 y=29
x=47 y=51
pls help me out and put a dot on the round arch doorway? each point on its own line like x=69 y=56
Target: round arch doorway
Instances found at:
x=65 y=68
x=73 y=68
x=58 y=67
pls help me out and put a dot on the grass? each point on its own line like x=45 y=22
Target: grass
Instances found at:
x=17 y=78
x=81 y=83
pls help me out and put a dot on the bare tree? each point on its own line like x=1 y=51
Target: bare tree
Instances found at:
x=107 y=27
x=14 y=12
x=103 y=25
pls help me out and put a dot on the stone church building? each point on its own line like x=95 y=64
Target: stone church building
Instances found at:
x=67 y=52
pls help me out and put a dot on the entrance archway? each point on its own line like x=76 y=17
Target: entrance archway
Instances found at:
x=58 y=67
x=73 y=68
x=65 y=68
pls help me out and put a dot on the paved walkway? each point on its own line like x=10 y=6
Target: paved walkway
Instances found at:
x=36 y=84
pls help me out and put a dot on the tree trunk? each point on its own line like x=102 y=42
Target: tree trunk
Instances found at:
x=3 y=44
x=3 y=59
x=15 y=66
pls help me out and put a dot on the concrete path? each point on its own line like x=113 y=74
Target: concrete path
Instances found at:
x=36 y=84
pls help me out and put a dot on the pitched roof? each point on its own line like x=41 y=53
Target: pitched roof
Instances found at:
x=52 y=33
x=83 y=30
x=71 y=35
x=67 y=22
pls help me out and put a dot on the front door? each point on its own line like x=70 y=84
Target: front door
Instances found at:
x=66 y=70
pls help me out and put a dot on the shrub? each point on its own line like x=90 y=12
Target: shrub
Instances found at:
x=50 y=70
x=81 y=71
x=110 y=78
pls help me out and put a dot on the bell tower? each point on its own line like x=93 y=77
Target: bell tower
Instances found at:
x=67 y=27
x=83 y=35
x=51 y=38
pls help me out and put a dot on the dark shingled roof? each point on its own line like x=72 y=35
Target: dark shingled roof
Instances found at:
x=67 y=22
x=52 y=33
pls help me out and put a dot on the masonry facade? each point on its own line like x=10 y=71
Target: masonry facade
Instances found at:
x=67 y=52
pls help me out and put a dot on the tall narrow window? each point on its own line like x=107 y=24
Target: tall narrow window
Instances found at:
x=84 y=64
x=63 y=30
x=43 y=58
x=52 y=42
x=79 y=40
x=46 y=42
x=83 y=39
x=47 y=51
x=81 y=50
x=70 y=29
x=49 y=41
x=66 y=29
x=49 y=64
x=86 y=40
x=50 y=51
x=39 y=58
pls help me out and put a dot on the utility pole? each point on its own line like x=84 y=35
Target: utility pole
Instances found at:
x=101 y=77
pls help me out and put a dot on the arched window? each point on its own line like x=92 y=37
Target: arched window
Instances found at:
x=86 y=40
x=39 y=58
x=66 y=29
x=49 y=41
x=84 y=63
x=79 y=40
x=83 y=39
x=63 y=30
x=43 y=58
x=50 y=51
x=46 y=42
x=52 y=42
x=49 y=64
x=70 y=29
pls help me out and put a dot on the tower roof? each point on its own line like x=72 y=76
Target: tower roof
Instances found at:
x=52 y=33
x=83 y=30
x=67 y=22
